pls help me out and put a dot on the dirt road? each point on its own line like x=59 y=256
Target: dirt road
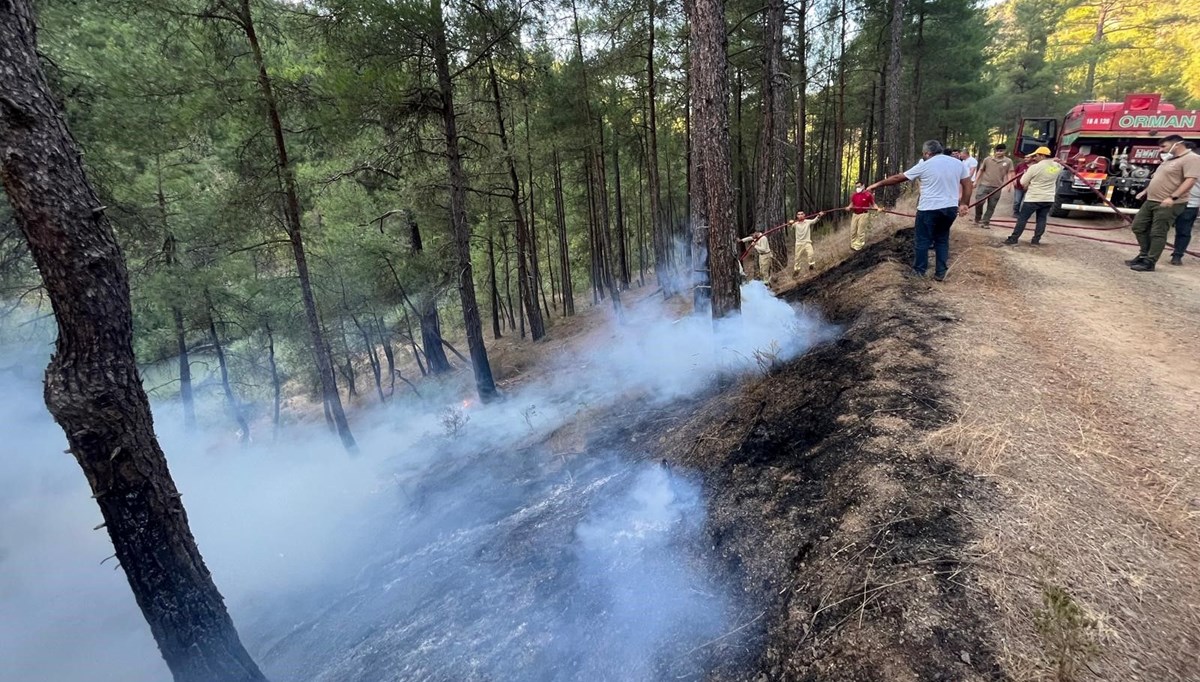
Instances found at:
x=1078 y=389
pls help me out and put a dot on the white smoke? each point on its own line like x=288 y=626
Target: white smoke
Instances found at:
x=476 y=552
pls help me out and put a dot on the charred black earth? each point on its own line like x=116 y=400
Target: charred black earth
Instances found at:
x=788 y=525
x=844 y=531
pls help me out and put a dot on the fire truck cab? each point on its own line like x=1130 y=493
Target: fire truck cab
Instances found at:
x=1111 y=145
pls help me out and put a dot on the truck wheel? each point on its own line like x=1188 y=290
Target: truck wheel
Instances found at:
x=1056 y=211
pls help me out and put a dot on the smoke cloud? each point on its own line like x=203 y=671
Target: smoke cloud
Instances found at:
x=460 y=545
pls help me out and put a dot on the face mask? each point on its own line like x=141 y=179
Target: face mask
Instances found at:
x=1167 y=156
x=858 y=188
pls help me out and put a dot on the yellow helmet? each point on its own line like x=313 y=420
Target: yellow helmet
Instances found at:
x=1043 y=151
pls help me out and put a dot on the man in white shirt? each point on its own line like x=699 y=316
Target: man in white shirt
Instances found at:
x=969 y=163
x=945 y=194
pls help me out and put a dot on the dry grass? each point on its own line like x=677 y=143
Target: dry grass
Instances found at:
x=1090 y=509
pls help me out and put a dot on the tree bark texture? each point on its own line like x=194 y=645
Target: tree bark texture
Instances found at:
x=527 y=287
x=892 y=154
x=485 y=384
x=93 y=388
x=292 y=215
x=697 y=207
x=235 y=410
x=664 y=257
x=768 y=204
x=710 y=84
x=564 y=259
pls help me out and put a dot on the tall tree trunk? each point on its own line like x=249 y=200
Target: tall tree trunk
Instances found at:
x=93 y=388
x=372 y=357
x=525 y=253
x=235 y=409
x=839 y=127
x=535 y=266
x=742 y=200
x=663 y=255
x=508 y=298
x=801 y=104
x=484 y=382
x=865 y=170
x=276 y=384
x=292 y=216
x=564 y=260
x=431 y=340
x=915 y=100
x=891 y=153
x=711 y=94
x=697 y=205
x=622 y=241
x=388 y=353
x=185 y=370
x=641 y=224
x=348 y=368
x=768 y=204
x=185 y=366
x=1093 y=59
x=412 y=343
x=495 y=290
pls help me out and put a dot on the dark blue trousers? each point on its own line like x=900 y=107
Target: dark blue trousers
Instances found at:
x=933 y=227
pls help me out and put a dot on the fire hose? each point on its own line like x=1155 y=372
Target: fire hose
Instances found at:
x=1125 y=219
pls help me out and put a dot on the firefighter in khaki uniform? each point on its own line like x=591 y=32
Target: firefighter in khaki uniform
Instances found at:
x=762 y=252
x=804 y=246
x=1166 y=197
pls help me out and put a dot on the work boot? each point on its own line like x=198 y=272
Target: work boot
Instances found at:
x=1176 y=260
x=1143 y=265
x=1011 y=241
x=1132 y=261
x=1035 y=242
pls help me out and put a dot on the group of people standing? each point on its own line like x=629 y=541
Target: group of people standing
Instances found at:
x=862 y=203
x=951 y=178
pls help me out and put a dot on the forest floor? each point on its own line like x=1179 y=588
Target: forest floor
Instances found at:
x=995 y=477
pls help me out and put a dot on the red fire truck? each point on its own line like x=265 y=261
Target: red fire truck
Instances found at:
x=1113 y=145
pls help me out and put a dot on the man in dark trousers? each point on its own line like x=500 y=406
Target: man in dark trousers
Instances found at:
x=945 y=195
x=1166 y=197
x=993 y=173
x=1185 y=221
x=1039 y=182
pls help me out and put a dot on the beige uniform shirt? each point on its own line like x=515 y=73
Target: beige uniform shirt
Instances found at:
x=993 y=172
x=1170 y=176
x=1040 y=179
x=761 y=247
x=803 y=230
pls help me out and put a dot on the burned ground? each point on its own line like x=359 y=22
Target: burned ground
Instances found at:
x=845 y=532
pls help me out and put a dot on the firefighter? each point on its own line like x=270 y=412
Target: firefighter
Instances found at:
x=861 y=204
x=1166 y=197
x=802 y=226
x=1038 y=182
x=762 y=252
x=992 y=174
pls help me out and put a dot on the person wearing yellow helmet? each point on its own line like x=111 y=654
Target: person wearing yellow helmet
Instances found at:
x=1039 y=183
